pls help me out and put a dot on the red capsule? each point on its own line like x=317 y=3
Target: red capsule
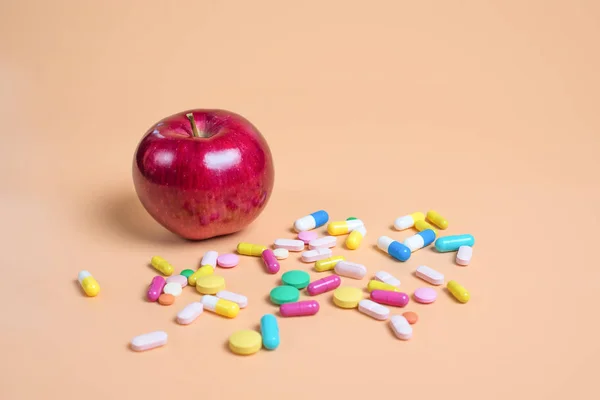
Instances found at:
x=299 y=308
x=397 y=299
x=156 y=287
x=323 y=285
x=270 y=261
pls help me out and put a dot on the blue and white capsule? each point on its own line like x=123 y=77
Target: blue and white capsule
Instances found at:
x=312 y=221
x=453 y=243
x=420 y=240
x=269 y=331
x=394 y=248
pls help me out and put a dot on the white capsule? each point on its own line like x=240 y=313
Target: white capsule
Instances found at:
x=289 y=244
x=464 y=254
x=388 y=278
x=350 y=270
x=316 y=255
x=281 y=254
x=209 y=258
x=401 y=327
x=149 y=341
x=173 y=288
x=430 y=275
x=414 y=242
x=373 y=310
x=190 y=313
x=240 y=300
x=322 y=242
x=408 y=221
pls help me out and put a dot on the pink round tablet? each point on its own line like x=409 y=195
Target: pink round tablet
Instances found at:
x=182 y=280
x=425 y=295
x=228 y=260
x=307 y=236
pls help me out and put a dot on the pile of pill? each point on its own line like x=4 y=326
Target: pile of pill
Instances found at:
x=383 y=288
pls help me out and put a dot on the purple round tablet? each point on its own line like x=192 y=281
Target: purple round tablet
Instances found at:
x=307 y=236
x=425 y=295
x=228 y=260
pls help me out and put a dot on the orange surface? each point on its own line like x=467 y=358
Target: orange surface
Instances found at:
x=486 y=111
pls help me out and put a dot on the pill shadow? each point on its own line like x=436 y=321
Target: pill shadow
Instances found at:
x=78 y=287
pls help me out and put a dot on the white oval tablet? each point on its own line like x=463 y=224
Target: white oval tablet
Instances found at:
x=401 y=327
x=430 y=275
x=281 y=254
x=149 y=341
x=289 y=244
x=173 y=288
x=373 y=310
x=240 y=300
x=350 y=270
x=209 y=258
x=464 y=254
x=322 y=243
x=388 y=278
x=316 y=255
x=190 y=313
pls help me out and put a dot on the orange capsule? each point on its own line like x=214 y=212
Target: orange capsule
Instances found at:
x=411 y=317
x=166 y=299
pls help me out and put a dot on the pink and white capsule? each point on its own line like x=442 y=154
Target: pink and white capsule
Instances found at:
x=373 y=310
x=190 y=313
x=289 y=244
x=430 y=275
x=316 y=255
x=240 y=300
x=325 y=242
x=350 y=270
x=464 y=254
x=388 y=278
x=401 y=327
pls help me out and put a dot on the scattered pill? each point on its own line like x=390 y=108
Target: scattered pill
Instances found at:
x=425 y=295
x=180 y=279
x=378 y=285
x=311 y=221
x=222 y=307
x=270 y=261
x=350 y=270
x=238 y=299
x=190 y=313
x=423 y=225
x=210 y=284
x=228 y=260
x=156 y=288
x=245 y=342
x=296 y=278
x=316 y=255
x=420 y=240
x=397 y=299
x=290 y=244
x=323 y=285
x=284 y=294
x=373 y=310
x=347 y=297
x=327 y=264
x=342 y=227
x=299 y=308
x=210 y=258
x=187 y=273
x=453 y=243
x=166 y=299
x=464 y=254
x=436 y=219
x=202 y=271
x=401 y=327
x=324 y=242
x=355 y=238
x=430 y=275
x=460 y=293
x=280 y=254
x=149 y=341
x=395 y=249
x=249 y=249
x=161 y=265
x=173 y=288
x=307 y=236
x=269 y=331
x=88 y=283
x=408 y=221
x=388 y=278
x=411 y=317
x=350 y=218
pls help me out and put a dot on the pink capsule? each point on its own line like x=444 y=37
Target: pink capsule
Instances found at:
x=324 y=285
x=299 y=308
x=156 y=287
x=397 y=299
x=270 y=261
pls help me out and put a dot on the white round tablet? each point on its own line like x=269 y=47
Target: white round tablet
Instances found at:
x=281 y=254
x=173 y=288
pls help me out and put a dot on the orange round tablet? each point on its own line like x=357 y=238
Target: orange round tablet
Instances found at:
x=410 y=316
x=166 y=299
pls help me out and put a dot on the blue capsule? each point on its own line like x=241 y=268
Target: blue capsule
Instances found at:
x=269 y=331
x=311 y=221
x=394 y=248
x=452 y=243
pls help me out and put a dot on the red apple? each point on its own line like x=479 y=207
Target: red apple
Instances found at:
x=203 y=173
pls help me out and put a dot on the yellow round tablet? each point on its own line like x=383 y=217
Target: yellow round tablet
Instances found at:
x=245 y=342
x=210 y=284
x=347 y=297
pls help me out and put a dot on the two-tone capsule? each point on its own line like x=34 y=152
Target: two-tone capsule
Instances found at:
x=355 y=238
x=88 y=283
x=395 y=249
x=408 y=221
x=222 y=307
x=420 y=240
x=453 y=243
x=342 y=227
x=328 y=264
x=311 y=221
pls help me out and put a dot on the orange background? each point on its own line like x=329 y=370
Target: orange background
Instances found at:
x=486 y=111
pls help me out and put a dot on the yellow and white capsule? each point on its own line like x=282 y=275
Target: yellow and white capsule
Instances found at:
x=161 y=265
x=88 y=283
x=408 y=221
x=355 y=237
x=342 y=227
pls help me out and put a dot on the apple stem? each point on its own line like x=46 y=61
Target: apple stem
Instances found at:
x=195 y=130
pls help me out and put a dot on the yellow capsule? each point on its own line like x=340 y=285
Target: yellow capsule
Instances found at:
x=328 y=264
x=205 y=270
x=377 y=285
x=162 y=265
x=436 y=219
x=89 y=285
x=421 y=225
x=417 y=216
x=219 y=306
x=337 y=228
x=249 y=249
x=459 y=292
x=355 y=238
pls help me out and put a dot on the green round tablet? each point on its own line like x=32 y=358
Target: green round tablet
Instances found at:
x=284 y=294
x=296 y=278
x=186 y=273
x=350 y=218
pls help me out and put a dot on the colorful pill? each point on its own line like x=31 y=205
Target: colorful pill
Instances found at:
x=202 y=271
x=190 y=313
x=328 y=264
x=296 y=278
x=378 y=285
x=464 y=254
x=166 y=299
x=156 y=288
x=388 y=278
x=210 y=258
x=249 y=249
x=347 y=297
x=281 y=254
x=238 y=299
x=411 y=317
x=350 y=270
x=290 y=244
x=307 y=236
x=395 y=249
x=408 y=221
x=245 y=342
x=270 y=261
x=311 y=221
x=88 y=283
x=173 y=288
x=149 y=341
x=355 y=238
x=460 y=293
x=373 y=310
x=325 y=242
x=180 y=279
x=430 y=275
x=299 y=308
x=422 y=225
x=316 y=255
x=323 y=285
x=436 y=219
x=425 y=295
x=284 y=294
x=396 y=299
x=269 y=331
x=187 y=273
x=401 y=327
x=222 y=307
x=420 y=240
x=210 y=284
x=342 y=227
x=228 y=260
x=453 y=243
x=161 y=265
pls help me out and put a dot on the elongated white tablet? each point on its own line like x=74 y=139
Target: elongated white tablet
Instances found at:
x=209 y=258
x=289 y=244
x=388 y=278
x=350 y=270
x=190 y=313
x=240 y=300
x=325 y=242
x=430 y=275
x=464 y=254
x=401 y=327
x=316 y=255
x=149 y=341
x=373 y=310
